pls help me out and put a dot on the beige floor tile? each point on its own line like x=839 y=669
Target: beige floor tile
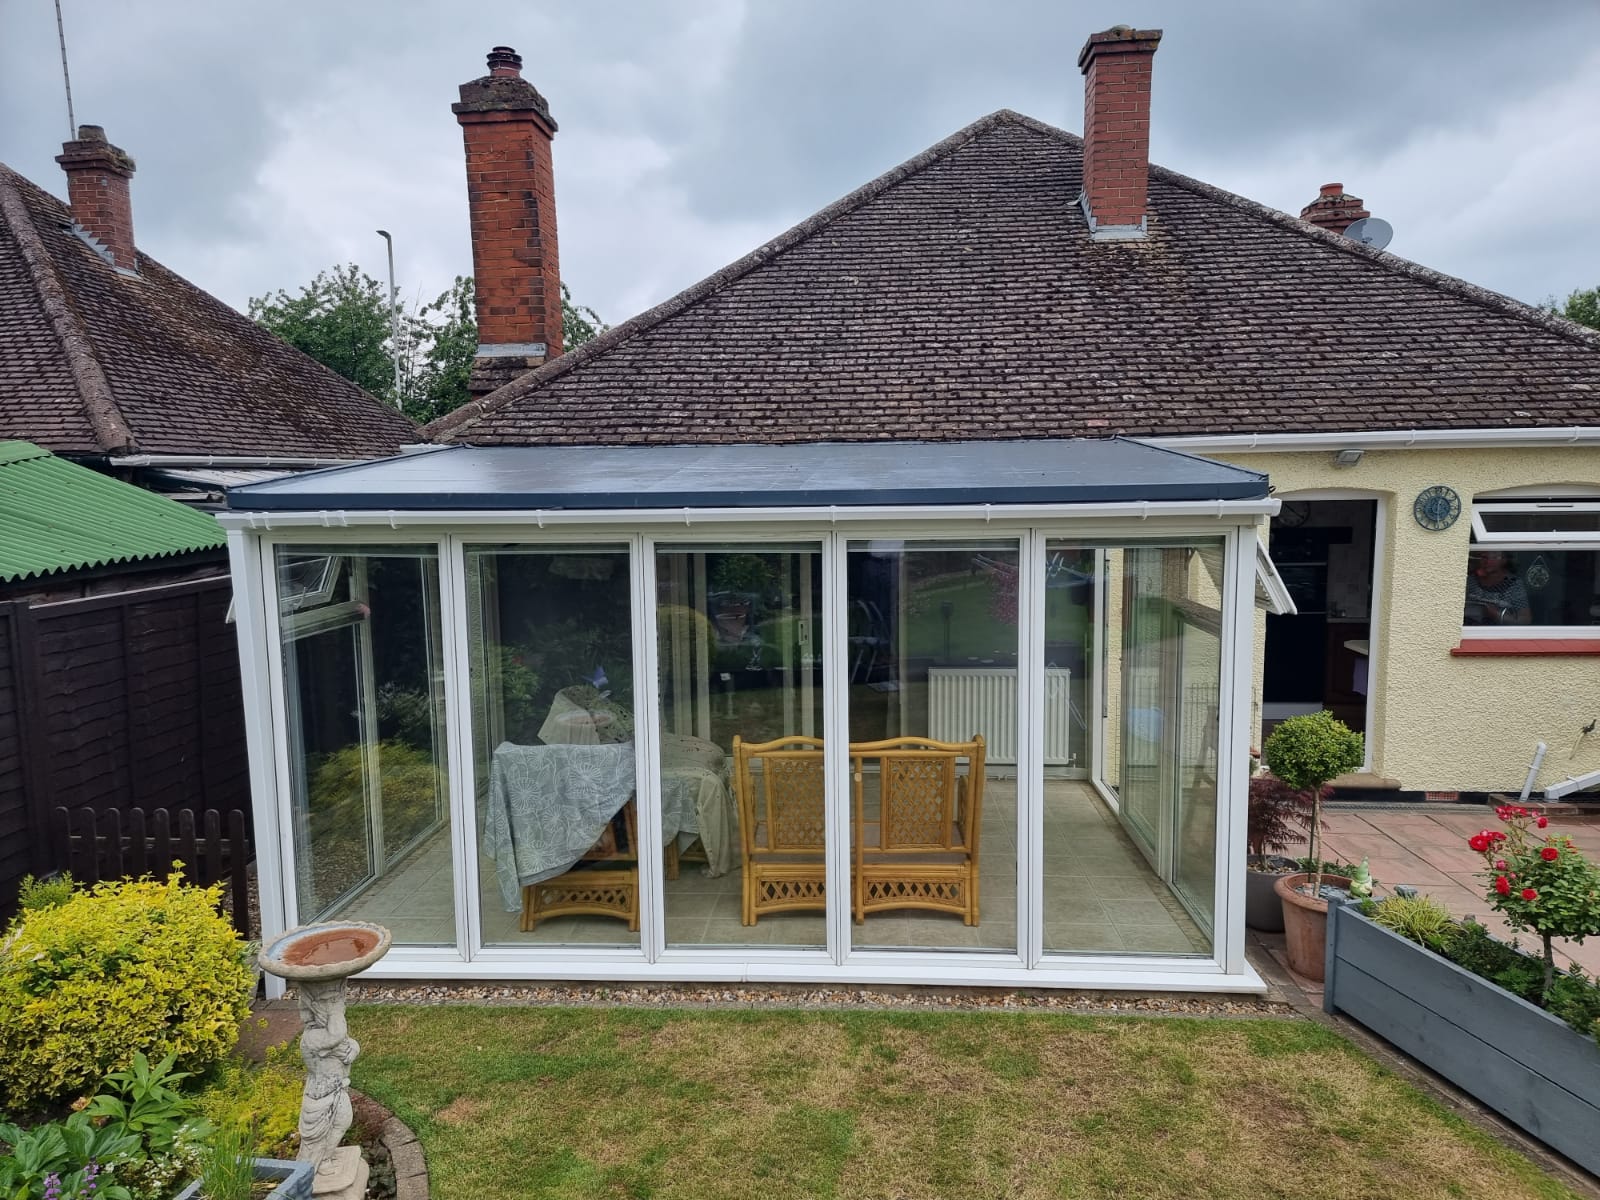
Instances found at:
x=1067 y=937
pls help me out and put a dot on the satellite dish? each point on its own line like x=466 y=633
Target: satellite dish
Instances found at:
x=1370 y=231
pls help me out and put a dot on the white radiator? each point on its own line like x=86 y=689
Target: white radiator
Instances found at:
x=984 y=700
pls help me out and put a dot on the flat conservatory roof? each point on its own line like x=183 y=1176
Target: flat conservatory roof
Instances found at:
x=457 y=478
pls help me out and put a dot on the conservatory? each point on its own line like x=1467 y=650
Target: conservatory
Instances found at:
x=957 y=713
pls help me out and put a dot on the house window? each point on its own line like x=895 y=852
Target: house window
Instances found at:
x=1534 y=565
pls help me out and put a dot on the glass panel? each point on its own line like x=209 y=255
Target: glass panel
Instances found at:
x=364 y=681
x=1133 y=874
x=1532 y=587
x=1575 y=519
x=740 y=632
x=933 y=669
x=550 y=646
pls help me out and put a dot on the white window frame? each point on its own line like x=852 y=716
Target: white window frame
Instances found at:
x=1534 y=543
x=254 y=537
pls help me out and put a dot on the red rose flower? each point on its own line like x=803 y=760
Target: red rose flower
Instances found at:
x=1479 y=842
x=1542 y=822
x=1502 y=885
x=1549 y=854
x=1497 y=836
x=1529 y=894
x=1499 y=864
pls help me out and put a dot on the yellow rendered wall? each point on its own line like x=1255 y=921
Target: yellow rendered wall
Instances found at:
x=1440 y=722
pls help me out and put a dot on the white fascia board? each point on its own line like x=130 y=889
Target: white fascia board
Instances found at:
x=1232 y=511
x=1382 y=439
x=263 y=462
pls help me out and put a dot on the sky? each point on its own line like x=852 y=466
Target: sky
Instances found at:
x=272 y=140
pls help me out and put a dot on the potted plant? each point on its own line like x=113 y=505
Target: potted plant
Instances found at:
x=1306 y=752
x=1276 y=816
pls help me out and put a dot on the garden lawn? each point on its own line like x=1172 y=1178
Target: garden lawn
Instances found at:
x=575 y=1103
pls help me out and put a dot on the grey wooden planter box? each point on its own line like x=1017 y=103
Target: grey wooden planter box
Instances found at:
x=1531 y=1068
x=294 y=1179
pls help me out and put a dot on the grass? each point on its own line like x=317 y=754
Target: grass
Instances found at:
x=578 y=1103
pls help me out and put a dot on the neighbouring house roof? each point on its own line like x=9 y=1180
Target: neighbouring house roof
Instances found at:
x=58 y=516
x=94 y=362
x=760 y=476
x=959 y=296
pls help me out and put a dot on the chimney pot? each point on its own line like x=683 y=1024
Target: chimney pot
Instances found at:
x=1334 y=209
x=97 y=189
x=504 y=61
x=1116 y=130
x=1333 y=189
x=507 y=130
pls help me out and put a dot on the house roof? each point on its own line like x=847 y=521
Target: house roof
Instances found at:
x=95 y=362
x=58 y=516
x=959 y=296
x=759 y=476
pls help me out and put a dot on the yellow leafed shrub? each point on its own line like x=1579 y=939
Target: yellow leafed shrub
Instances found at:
x=121 y=967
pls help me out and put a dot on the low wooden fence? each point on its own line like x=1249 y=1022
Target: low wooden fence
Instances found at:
x=211 y=846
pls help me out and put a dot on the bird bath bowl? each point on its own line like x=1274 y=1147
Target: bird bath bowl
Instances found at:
x=318 y=959
x=332 y=950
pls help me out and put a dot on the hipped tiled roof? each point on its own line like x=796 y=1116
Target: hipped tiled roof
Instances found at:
x=960 y=296
x=58 y=516
x=94 y=362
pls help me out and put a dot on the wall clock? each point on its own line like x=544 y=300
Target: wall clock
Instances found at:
x=1437 y=507
x=1293 y=513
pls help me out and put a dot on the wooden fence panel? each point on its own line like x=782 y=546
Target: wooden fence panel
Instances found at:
x=108 y=844
x=17 y=854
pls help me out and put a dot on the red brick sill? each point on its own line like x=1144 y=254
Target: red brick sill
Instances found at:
x=1525 y=647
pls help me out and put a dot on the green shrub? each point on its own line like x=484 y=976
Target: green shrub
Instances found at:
x=268 y=1096
x=34 y=895
x=1422 y=919
x=124 y=967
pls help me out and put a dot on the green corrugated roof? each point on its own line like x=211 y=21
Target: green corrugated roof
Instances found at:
x=58 y=516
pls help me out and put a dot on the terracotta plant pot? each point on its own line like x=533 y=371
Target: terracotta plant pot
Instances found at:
x=1262 y=908
x=1305 y=923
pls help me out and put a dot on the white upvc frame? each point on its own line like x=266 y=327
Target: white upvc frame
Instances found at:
x=253 y=538
x=1549 y=541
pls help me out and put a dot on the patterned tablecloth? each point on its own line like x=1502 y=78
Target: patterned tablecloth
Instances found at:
x=549 y=804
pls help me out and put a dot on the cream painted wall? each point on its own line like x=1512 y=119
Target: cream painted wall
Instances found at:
x=1440 y=722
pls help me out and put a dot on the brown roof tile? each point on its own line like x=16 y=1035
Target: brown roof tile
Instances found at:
x=959 y=296
x=95 y=362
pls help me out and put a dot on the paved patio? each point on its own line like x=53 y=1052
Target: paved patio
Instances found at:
x=1426 y=847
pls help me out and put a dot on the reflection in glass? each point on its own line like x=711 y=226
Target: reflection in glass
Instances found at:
x=741 y=767
x=368 y=786
x=1132 y=870
x=933 y=743
x=550 y=651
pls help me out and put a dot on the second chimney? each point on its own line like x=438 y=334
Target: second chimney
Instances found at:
x=1116 y=130
x=1335 y=210
x=97 y=188
x=511 y=198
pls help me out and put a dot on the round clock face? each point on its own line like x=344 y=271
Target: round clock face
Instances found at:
x=1293 y=513
x=1436 y=507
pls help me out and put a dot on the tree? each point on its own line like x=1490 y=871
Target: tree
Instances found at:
x=1581 y=306
x=340 y=319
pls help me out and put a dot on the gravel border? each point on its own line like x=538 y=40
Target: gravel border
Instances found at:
x=825 y=999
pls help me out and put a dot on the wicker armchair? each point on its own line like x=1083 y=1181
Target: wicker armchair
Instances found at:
x=922 y=850
x=603 y=883
x=779 y=788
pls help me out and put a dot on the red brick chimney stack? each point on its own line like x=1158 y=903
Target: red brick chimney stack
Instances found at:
x=511 y=199
x=1334 y=210
x=97 y=188
x=1116 y=130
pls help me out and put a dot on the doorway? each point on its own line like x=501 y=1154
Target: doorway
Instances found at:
x=1321 y=656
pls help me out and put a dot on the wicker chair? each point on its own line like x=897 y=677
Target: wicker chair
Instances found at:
x=922 y=851
x=779 y=787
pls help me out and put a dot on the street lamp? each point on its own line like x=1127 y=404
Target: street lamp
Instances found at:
x=394 y=316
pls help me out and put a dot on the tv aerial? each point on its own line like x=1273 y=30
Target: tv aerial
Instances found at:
x=1370 y=231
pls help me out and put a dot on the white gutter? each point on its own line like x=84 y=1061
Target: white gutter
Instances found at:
x=259 y=462
x=1383 y=439
x=831 y=515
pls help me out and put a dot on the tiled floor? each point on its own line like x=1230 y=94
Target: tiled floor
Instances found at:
x=1427 y=848
x=1099 y=896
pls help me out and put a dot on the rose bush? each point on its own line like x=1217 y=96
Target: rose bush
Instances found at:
x=1539 y=882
